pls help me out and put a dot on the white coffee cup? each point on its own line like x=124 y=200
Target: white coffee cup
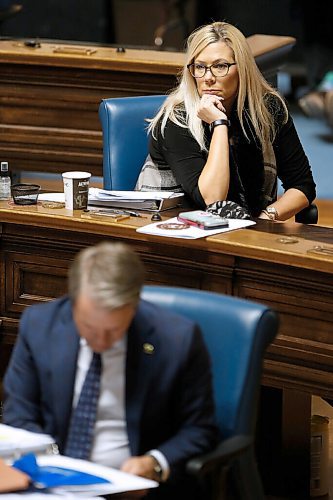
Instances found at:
x=76 y=187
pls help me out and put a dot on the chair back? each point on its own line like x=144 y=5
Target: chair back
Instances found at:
x=125 y=139
x=309 y=215
x=237 y=333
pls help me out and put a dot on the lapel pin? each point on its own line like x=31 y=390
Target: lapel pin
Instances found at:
x=148 y=348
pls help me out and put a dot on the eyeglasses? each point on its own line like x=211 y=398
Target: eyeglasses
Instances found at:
x=218 y=69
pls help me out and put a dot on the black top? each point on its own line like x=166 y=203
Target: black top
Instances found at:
x=181 y=152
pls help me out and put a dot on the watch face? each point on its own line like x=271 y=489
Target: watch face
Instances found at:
x=272 y=213
x=158 y=471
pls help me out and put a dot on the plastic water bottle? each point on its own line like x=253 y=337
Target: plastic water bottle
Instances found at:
x=5 y=181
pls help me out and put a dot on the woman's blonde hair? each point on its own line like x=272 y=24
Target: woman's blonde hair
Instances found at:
x=253 y=102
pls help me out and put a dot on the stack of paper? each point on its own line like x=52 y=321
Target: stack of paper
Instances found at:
x=139 y=200
x=136 y=200
x=15 y=441
x=43 y=496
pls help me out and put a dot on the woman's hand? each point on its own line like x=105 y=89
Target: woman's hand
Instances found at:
x=213 y=182
x=289 y=204
x=211 y=108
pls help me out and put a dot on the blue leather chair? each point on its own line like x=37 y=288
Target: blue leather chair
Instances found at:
x=125 y=140
x=125 y=143
x=237 y=333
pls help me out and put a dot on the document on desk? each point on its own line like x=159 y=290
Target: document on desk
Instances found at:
x=15 y=441
x=58 y=197
x=172 y=228
x=43 y=496
x=138 y=200
x=154 y=201
x=118 y=481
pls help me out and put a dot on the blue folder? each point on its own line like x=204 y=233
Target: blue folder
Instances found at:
x=48 y=476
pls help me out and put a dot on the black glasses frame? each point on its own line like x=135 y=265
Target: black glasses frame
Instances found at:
x=190 y=67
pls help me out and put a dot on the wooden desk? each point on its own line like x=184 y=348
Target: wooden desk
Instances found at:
x=37 y=245
x=49 y=96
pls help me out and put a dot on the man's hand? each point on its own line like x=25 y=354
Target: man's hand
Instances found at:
x=140 y=466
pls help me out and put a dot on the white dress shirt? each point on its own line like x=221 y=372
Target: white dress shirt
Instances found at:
x=110 y=445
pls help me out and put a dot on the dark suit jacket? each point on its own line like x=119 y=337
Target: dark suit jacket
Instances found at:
x=169 y=403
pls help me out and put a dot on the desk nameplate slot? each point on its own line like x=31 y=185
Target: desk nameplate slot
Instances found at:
x=80 y=51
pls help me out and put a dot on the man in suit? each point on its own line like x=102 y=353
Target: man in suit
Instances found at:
x=154 y=409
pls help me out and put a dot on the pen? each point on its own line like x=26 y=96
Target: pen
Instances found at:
x=115 y=211
x=133 y=214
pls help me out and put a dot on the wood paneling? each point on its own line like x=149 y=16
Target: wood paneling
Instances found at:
x=49 y=96
x=38 y=244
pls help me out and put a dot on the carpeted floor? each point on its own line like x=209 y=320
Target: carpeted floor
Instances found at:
x=317 y=139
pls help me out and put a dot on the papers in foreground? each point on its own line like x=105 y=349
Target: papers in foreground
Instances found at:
x=42 y=496
x=15 y=441
x=118 y=481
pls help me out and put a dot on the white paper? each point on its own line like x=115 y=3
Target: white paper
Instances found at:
x=191 y=232
x=104 y=194
x=15 y=441
x=136 y=200
x=120 y=481
x=43 y=496
x=52 y=197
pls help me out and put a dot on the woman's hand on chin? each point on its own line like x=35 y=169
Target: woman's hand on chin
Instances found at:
x=211 y=108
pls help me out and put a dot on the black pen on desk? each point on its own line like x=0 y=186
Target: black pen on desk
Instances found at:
x=127 y=212
x=133 y=214
x=116 y=211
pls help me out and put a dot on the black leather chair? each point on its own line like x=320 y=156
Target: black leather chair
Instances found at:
x=309 y=215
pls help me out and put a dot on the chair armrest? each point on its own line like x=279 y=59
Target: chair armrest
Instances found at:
x=309 y=215
x=224 y=453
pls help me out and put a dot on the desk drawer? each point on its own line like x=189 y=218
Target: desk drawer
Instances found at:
x=32 y=278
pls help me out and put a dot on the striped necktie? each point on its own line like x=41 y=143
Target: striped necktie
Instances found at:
x=81 y=428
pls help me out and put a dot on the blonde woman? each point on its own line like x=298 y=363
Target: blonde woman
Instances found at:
x=226 y=134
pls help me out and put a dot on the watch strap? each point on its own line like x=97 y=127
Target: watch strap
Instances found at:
x=158 y=470
x=216 y=123
x=271 y=213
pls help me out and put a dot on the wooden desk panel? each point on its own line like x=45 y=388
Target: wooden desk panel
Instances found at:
x=49 y=99
x=38 y=244
x=297 y=282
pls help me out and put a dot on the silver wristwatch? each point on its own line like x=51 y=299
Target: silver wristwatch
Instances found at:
x=272 y=213
x=158 y=471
